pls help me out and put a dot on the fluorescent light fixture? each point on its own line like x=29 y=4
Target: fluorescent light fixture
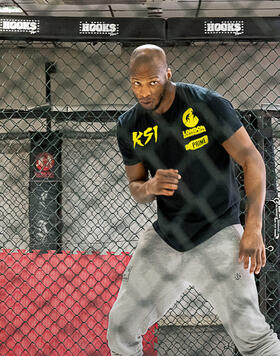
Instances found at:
x=10 y=10
x=270 y=106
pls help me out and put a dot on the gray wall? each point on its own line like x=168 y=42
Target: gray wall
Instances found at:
x=91 y=75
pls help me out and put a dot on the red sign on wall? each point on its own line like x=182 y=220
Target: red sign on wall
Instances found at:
x=44 y=163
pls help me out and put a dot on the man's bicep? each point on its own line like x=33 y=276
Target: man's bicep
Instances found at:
x=136 y=172
x=239 y=146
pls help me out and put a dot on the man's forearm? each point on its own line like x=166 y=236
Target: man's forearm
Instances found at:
x=139 y=191
x=255 y=188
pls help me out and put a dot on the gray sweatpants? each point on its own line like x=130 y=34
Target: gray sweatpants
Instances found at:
x=157 y=275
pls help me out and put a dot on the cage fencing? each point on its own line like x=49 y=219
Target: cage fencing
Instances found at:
x=68 y=223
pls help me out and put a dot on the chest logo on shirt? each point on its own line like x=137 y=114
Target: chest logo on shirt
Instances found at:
x=142 y=138
x=189 y=119
x=191 y=122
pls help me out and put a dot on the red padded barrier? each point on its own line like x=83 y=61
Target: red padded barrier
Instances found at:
x=58 y=304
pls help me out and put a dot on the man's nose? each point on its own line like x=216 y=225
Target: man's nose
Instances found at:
x=145 y=92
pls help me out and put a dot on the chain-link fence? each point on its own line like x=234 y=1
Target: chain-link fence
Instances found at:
x=68 y=222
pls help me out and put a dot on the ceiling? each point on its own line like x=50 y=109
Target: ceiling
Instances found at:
x=144 y=8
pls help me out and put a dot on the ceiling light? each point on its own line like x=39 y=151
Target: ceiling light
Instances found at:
x=10 y=10
x=154 y=11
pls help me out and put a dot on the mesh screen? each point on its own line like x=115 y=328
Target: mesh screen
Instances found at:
x=56 y=294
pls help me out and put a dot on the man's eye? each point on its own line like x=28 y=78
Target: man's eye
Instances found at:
x=136 y=84
x=153 y=83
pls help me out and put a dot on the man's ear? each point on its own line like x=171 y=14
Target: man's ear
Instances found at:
x=169 y=74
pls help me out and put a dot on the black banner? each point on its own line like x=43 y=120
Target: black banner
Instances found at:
x=45 y=187
x=232 y=28
x=139 y=29
x=81 y=29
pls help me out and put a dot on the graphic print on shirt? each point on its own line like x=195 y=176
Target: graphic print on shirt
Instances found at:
x=191 y=122
x=143 y=138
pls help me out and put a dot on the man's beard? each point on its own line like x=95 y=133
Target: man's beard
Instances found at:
x=160 y=99
x=158 y=104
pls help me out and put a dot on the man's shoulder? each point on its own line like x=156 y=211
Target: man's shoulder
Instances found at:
x=194 y=91
x=128 y=117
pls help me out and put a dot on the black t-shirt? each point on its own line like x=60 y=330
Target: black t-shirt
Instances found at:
x=187 y=137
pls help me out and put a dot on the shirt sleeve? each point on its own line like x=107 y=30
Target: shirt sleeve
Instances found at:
x=224 y=119
x=125 y=145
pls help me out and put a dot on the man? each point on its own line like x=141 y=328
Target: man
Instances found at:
x=177 y=144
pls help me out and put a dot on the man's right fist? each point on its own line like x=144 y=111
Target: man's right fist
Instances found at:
x=164 y=182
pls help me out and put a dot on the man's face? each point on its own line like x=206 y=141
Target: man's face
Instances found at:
x=148 y=83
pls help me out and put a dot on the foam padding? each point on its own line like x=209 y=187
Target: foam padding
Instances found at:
x=58 y=304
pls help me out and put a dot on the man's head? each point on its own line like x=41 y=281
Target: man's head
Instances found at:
x=149 y=75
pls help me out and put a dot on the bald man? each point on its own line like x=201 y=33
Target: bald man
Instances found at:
x=178 y=143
